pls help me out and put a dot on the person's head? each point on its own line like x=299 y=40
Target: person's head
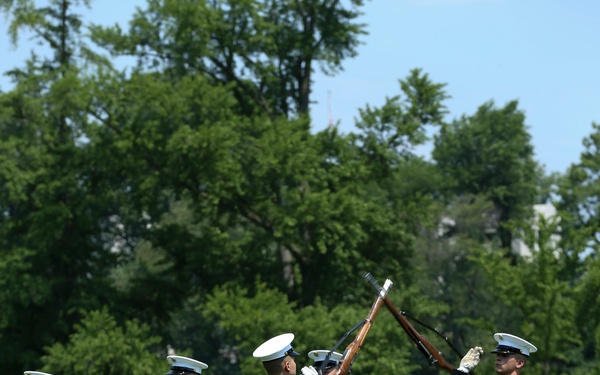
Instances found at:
x=278 y=355
x=512 y=353
x=285 y=365
x=185 y=366
x=319 y=356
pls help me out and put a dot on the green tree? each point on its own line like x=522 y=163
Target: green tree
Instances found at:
x=548 y=303
x=490 y=154
x=268 y=192
x=101 y=346
x=587 y=296
x=158 y=146
x=578 y=191
x=266 y=49
x=447 y=262
x=281 y=191
x=51 y=213
x=578 y=194
x=388 y=135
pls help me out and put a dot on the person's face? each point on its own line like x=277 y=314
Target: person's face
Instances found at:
x=508 y=363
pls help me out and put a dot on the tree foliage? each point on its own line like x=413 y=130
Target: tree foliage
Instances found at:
x=100 y=346
x=186 y=203
x=490 y=153
x=266 y=49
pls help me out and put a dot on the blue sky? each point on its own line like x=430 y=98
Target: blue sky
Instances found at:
x=543 y=53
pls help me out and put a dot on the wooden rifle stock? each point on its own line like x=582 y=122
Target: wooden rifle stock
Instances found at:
x=425 y=346
x=354 y=347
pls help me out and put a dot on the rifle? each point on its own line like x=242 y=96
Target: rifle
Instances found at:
x=354 y=347
x=425 y=346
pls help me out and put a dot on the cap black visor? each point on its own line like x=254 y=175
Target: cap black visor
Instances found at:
x=503 y=349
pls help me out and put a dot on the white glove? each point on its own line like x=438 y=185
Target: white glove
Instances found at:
x=308 y=370
x=471 y=360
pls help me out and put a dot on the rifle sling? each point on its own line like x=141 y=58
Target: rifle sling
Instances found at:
x=340 y=341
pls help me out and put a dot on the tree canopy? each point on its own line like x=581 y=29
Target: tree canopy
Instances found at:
x=186 y=204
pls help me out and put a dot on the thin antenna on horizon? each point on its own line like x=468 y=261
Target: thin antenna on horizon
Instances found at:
x=330 y=123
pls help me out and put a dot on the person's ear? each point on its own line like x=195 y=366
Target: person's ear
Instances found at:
x=286 y=366
x=520 y=362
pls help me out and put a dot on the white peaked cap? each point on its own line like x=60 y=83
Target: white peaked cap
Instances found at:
x=192 y=364
x=275 y=348
x=35 y=373
x=508 y=343
x=320 y=355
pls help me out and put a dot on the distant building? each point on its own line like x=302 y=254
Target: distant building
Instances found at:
x=549 y=213
x=489 y=224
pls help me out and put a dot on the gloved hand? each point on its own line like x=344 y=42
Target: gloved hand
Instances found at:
x=470 y=360
x=308 y=370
